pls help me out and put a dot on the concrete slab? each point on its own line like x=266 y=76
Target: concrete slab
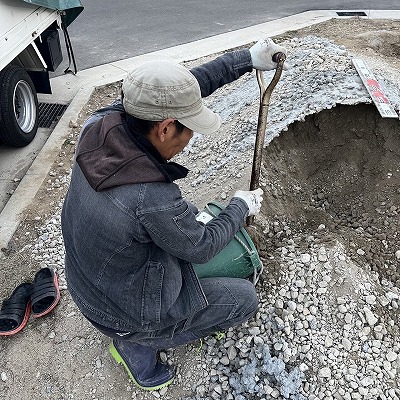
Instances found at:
x=77 y=90
x=13 y=212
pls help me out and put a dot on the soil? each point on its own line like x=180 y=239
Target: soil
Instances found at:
x=331 y=169
x=342 y=172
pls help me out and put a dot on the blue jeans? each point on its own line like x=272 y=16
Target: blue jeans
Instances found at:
x=232 y=301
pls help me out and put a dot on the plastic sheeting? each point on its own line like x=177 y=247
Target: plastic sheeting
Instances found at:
x=72 y=8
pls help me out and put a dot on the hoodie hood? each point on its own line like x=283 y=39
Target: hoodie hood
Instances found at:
x=110 y=154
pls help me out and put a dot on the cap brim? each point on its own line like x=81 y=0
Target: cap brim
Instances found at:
x=205 y=122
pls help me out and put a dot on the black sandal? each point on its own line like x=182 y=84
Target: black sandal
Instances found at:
x=15 y=310
x=45 y=292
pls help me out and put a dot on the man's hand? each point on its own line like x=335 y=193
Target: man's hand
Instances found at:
x=262 y=53
x=252 y=198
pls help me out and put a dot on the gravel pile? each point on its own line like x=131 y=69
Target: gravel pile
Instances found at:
x=327 y=325
x=325 y=328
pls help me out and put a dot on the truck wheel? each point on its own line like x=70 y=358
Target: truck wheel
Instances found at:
x=19 y=115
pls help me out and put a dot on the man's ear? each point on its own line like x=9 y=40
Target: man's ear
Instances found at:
x=164 y=127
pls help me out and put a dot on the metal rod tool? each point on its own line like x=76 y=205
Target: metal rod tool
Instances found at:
x=265 y=94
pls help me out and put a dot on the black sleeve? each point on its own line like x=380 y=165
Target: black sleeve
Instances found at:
x=224 y=69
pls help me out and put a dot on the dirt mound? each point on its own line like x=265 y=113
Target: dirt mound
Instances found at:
x=340 y=167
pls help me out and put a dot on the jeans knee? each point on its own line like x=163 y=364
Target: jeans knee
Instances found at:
x=249 y=299
x=232 y=301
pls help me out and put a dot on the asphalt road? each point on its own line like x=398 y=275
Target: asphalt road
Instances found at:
x=108 y=31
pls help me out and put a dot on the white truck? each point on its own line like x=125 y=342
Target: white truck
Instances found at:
x=29 y=49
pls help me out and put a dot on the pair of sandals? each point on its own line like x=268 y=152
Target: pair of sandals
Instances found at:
x=38 y=298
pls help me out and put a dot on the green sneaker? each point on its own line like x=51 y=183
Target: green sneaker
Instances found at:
x=142 y=365
x=219 y=335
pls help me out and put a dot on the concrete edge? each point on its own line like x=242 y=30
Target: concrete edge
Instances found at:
x=13 y=212
x=77 y=89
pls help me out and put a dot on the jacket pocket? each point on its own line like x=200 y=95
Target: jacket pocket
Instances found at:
x=152 y=287
x=185 y=223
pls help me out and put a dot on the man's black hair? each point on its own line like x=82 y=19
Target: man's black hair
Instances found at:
x=143 y=127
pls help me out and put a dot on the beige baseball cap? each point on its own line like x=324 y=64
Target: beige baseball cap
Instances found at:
x=158 y=90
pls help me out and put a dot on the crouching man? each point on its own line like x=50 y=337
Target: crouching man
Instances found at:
x=130 y=237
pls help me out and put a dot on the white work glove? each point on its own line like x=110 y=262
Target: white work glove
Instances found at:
x=252 y=198
x=262 y=52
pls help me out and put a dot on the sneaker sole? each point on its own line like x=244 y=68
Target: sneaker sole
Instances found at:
x=118 y=358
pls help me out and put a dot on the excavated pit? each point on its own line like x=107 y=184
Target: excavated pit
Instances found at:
x=338 y=172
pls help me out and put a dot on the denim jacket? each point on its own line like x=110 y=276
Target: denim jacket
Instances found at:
x=130 y=239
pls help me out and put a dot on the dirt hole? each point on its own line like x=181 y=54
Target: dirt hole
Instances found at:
x=339 y=168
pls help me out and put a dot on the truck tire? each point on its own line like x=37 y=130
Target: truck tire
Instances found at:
x=19 y=111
